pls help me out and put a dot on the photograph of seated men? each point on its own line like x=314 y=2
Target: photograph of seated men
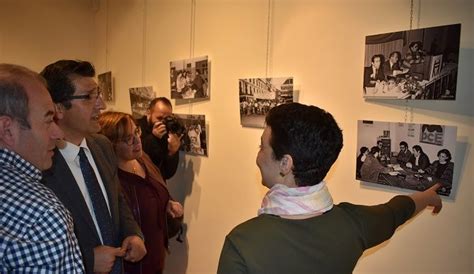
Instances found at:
x=415 y=64
x=410 y=156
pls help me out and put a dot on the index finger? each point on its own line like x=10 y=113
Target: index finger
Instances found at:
x=435 y=187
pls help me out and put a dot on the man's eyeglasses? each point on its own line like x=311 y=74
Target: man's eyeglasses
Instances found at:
x=91 y=96
x=130 y=139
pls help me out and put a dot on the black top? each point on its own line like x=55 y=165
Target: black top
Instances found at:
x=157 y=149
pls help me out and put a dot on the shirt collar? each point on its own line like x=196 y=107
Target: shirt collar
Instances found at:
x=12 y=159
x=70 y=150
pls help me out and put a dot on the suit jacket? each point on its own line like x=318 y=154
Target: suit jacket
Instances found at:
x=367 y=78
x=423 y=161
x=60 y=179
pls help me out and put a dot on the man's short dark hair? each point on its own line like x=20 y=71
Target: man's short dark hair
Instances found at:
x=374 y=150
x=310 y=135
x=403 y=143
x=362 y=150
x=13 y=96
x=163 y=100
x=417 y=148
x=375 y=56
x=59 y=78
x=399 y=55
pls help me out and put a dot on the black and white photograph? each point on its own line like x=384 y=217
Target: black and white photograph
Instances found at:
x=190 y=79
x=105 y=86
x=193 y=128
x=413 y=64
x=258 y=95
x=405 y=155
x=140 y=98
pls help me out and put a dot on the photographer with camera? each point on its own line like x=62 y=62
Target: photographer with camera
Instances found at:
x=161 y=136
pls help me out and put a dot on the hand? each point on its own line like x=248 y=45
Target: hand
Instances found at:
x=421 y=171
x=175 y=209
x=104 y=257
x=159 y=130
x=409 y=165
x=174 y=142
x=134 y=248
x=434 y=199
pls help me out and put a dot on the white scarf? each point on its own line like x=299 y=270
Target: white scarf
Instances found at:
x=307 y=200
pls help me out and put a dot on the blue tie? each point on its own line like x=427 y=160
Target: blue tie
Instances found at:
x=99 y=204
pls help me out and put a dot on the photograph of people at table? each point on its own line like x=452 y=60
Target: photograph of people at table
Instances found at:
x=413 y=64
x=405 y=155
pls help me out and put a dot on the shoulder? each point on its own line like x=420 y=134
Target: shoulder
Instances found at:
x=252 y=226
x=99 y=139
x=27 y=203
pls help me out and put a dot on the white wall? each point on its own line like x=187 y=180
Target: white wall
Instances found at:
x=318 y=42
x=37 y=33
x=321 y=44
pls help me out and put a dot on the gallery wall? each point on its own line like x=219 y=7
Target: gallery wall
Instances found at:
x=36 y=33
x=321 y=44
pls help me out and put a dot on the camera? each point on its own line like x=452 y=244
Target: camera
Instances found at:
x=173 y=125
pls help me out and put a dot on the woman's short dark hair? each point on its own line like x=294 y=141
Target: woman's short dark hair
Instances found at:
x=446 y=152
x=308 y=134
x=374 y=150
x=58 y=76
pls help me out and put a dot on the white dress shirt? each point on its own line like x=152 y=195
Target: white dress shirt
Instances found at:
x=70 y=153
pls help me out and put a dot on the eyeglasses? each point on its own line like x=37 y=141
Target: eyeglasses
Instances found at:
x=91 y=96
x=130 y=139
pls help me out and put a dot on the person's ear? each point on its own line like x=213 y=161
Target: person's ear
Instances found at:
x=286 y=165
x=7 y=131
x=59 y=111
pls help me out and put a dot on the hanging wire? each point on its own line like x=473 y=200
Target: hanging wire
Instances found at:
x=267 y=61
x=106 y=35
x=144 y=41
x=192 y=29
x=407 y=108
x=192 y=36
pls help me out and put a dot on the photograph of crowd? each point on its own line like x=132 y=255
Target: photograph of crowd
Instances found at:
x=105 y=86
x=193 y=128
x=413 y=64
x=258 y=95
x=189 y=78
x=140 y=98
x=410 y=156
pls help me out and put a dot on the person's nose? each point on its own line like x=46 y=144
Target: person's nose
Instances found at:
x=100 y=103
x=56 y=132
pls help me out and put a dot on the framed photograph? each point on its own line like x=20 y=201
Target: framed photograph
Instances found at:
x=105 y=85
x=410 y=156
x=412 y=64
x=189 y=79
x=140 y=98
x=194 y=135
x=258 y=95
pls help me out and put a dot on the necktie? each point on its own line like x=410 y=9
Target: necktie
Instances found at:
x=104 y=220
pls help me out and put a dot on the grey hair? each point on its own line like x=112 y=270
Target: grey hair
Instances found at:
x=13 y=96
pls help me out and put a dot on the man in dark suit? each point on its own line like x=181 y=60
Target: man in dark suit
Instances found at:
x=84 y=171
x=418 y=160
x=374 y=73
